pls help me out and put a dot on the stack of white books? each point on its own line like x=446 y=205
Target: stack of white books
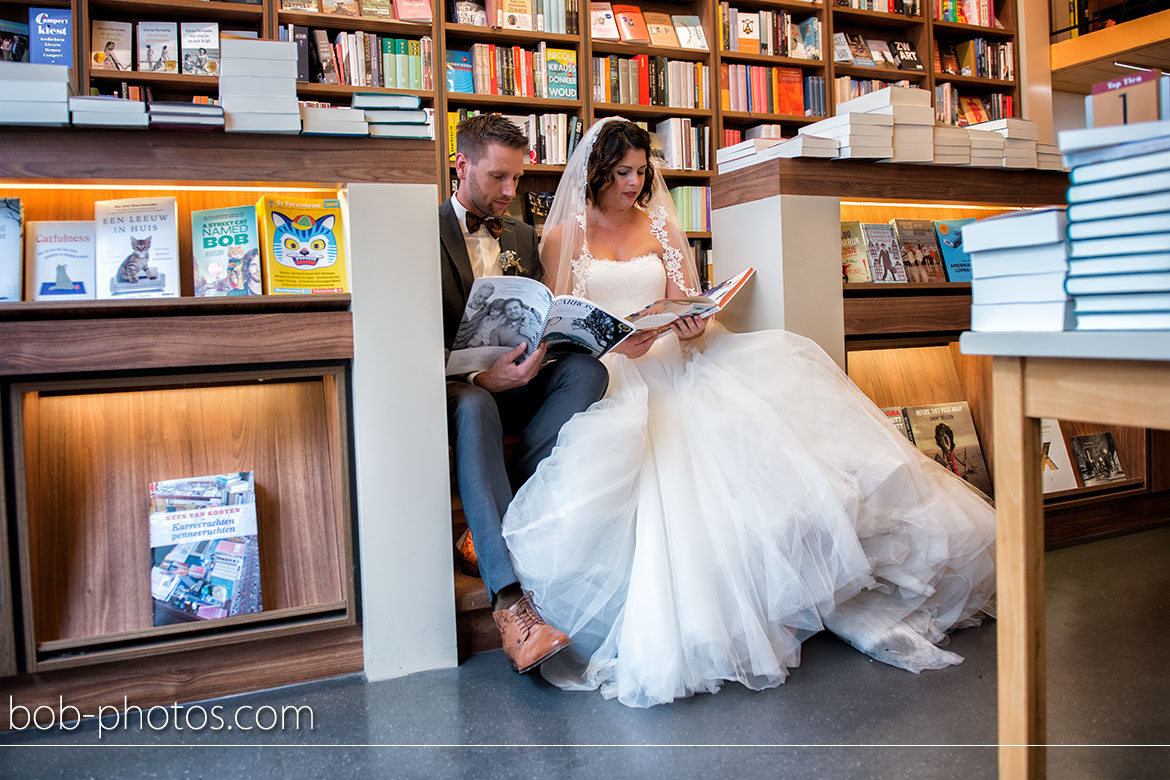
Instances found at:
x=802 y=146
x=742 y=154
x=952 y=145
x=323 y=120
x=34 y=94
x=912 y=116
x=764 y=131
x=394 y=116
x=1019 y=140
x=986 y=149
x=1119 y=225
x=861 y=136
x=1048 y=157
x=1019 y=264
x=258 y=85
x=106 y=111
x=177 y=115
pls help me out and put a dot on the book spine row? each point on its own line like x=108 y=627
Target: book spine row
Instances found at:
x=977 y=12
x=705 y=264
x=769 y=32
x=763 y=89
x=847 y=88
x=949 y=110
x=558 y=17
x=651 y=81
x=905 y=7
x=684 y=146
x=519 y=72
x=693 y=205
x=551 y=137
x=361 y=59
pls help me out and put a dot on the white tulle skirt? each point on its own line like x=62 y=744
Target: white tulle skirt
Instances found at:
x=724 y=501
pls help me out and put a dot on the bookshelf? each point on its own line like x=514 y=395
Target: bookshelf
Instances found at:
x=102 y=397
x=899 y=342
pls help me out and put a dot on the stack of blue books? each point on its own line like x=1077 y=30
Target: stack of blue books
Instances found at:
x=1119 y=225
x=394 y=116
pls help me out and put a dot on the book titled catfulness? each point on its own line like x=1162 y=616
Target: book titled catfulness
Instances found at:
x=504 y=312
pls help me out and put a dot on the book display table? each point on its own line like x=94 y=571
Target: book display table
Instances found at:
x=1120 y=378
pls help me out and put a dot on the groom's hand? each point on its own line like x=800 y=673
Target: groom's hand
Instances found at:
x=506 y=373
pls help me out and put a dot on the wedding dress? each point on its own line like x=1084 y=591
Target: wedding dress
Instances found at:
x=729 y=497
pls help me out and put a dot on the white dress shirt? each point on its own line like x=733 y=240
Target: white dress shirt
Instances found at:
x=482 y=249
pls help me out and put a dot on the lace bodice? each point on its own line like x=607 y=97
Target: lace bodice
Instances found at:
x=624 y=286
x=670 y=262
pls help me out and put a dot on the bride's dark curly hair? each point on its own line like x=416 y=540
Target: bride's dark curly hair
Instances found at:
x=615 y=138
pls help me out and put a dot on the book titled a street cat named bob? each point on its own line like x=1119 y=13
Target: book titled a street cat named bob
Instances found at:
x=504 y=311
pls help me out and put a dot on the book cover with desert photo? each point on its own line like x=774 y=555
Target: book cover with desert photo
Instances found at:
x=946 y=432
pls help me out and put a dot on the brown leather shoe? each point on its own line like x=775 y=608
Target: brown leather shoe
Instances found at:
x=528 y=640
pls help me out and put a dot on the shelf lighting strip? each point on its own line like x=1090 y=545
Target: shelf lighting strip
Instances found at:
x=156 y=187
x=888 y=204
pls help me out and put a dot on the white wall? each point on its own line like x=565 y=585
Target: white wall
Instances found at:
x=400 y=430
x=1068 y=111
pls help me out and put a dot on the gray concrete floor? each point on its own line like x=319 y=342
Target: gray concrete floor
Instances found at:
x=840 y=714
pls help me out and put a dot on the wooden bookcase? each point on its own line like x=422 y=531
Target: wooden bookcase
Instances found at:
x=103 y=397
x=901 y=340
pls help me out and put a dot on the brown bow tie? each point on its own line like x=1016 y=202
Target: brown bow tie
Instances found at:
x=494 y=225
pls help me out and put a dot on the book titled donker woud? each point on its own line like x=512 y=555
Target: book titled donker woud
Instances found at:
x=205 y=561
x=301 y=241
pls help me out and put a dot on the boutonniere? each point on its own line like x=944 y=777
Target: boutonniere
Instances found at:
x=510 y=263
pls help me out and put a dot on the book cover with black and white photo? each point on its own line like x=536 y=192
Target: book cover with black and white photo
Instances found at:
x=1097 y=458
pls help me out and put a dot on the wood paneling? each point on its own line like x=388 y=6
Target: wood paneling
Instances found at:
x=906 y=377
x=8 y=663
x=173 y=307
x=194 y=676
x=908 y=314
x=1159 y=449
x=86 y=538
x=1094 y=389
x=47 y=347
x=241 y=158
x=855 y=180
x=1063 y=525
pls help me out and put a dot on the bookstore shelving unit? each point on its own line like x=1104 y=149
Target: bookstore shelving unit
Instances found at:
x=104 y=397
x=901 y=340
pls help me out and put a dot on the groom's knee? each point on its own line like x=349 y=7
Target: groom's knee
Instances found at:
x=587 y=375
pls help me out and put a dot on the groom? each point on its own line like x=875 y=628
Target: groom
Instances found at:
x=525 y=398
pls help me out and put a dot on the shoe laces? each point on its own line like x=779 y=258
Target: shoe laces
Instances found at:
x=527 y=616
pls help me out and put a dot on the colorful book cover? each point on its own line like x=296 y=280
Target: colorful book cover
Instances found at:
x=1097 y=459
x=790 y=91
x=136 y=248
x=660 y=29
x=225 y=246
x=561 y=69
x=810 y=37
x=516 y=15
x=204 y=548
x=340 y=7
x=60 y=260
x=603 y=26
x=302 y=6
x=919 y=250
x=882 y=250
x=111 y=45
x=1055 y=464
x=14 y=41
x=200 y=48
x=413 y=10
x=896 y=416
x=631 y=25
x=950 y=241
x=859 y=50
x=946 y=432
x=302 y=246
x=158 y=47
x=377 y=9
x=473 y=12
x=906 y=55
x=689 y=29
x=50 y=32
x=11 y=248
x=459 y=73
x=854 y=263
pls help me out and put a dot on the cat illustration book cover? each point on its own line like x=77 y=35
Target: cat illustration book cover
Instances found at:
x=60 y=260
x=301 y=241
x=136 y=248
x=225 y=246
x=11 y=248
x=205 y=559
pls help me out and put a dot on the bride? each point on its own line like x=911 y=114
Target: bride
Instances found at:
x=732 y=494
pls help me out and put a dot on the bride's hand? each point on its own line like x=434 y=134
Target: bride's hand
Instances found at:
x=638 y=344
x=688 y=327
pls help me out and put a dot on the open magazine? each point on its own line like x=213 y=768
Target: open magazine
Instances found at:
x=505 y=311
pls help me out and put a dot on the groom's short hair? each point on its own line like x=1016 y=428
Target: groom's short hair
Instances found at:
x=473 y=135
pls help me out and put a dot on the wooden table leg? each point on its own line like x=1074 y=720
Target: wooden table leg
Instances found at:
x=1020 y=576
